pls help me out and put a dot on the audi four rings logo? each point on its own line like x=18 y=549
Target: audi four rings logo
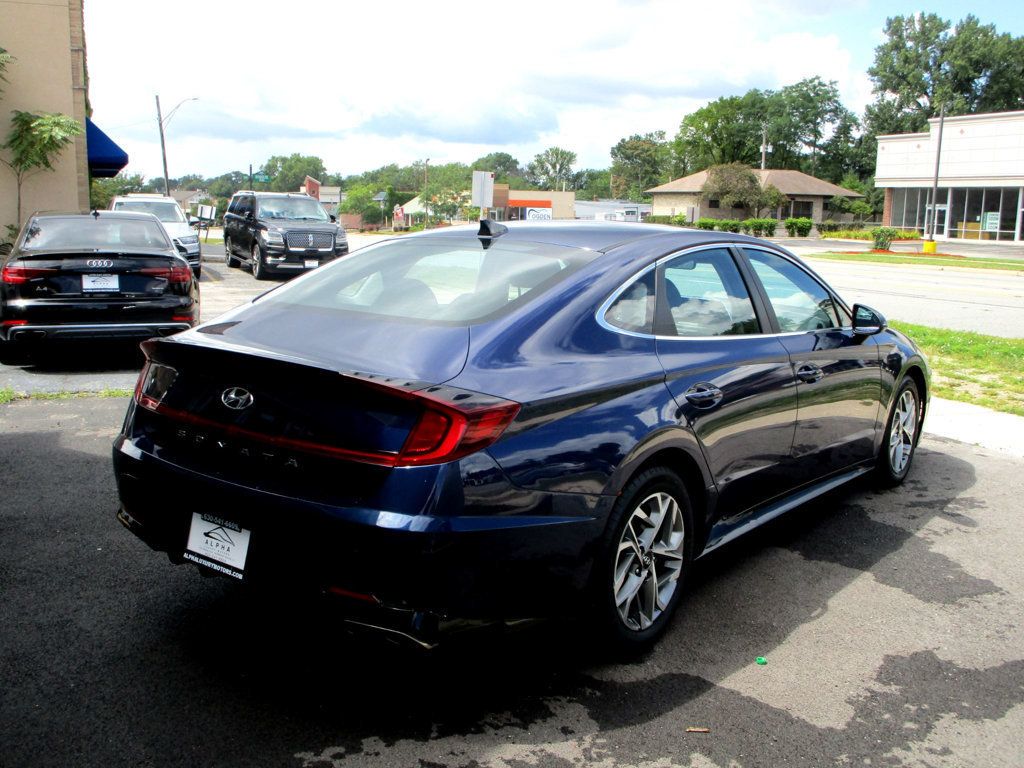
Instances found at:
x=99 y=263
x=236 y=398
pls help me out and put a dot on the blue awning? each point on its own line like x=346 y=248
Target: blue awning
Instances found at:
x=105 y=157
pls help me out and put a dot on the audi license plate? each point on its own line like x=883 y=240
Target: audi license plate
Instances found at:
x=100 y=284
x=311 y=263
x=218 y=544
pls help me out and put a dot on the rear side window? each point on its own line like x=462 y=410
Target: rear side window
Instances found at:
x=800 y=302
x=705 y=296
x=633 y=310
x=444 y=280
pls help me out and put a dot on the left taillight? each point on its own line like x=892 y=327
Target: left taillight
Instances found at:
x=154 y=381
x=14 y=274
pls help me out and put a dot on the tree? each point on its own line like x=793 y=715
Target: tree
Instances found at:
x=640 y=162
x=505 y=167
x=227 y=184
x=733 y=185
x=287 y=174
x=815 y=109
x=5 y=59
x=769 y=198
x=593 y=184
x=34 y=142
x=102 y=191
x=552 y=168
x=727 y=130
x=925 y=63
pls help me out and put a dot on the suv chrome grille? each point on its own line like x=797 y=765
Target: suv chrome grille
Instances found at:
x=303 y=241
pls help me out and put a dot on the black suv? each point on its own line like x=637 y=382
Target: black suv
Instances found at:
x=276 y=233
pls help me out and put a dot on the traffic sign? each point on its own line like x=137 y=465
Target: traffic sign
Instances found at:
x=262 y=177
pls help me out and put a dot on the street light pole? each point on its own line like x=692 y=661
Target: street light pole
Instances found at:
x=163 y=146
x=161 y=122
x=935 y=180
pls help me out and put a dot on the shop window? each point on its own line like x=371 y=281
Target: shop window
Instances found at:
x=957 y=206
x=712 y=203
x=899 y=202
x=802 y=209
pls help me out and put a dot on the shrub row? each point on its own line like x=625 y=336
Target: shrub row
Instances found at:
x=800 y=227
x=678 y=221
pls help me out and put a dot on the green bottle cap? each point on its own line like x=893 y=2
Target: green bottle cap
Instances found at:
x=762 y=660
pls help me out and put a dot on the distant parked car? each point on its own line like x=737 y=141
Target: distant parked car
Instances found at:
x=172 y=217
x=280 y=234
x=105 y=274
x=467 y=426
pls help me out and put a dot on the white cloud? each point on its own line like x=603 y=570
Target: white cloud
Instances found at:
x=361 y=85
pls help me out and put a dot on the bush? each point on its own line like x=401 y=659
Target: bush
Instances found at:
x=883 y=237
x=759 y=227
x=708 y=224
x=798 y=227
x=676 y=221
x=680 y=220
x=729 y=225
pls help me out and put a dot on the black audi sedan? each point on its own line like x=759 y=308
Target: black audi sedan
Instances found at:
x=485 y=425
x=104 y=274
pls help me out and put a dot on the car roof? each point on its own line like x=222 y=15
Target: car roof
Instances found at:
x=272 y=194
x=593 y=235
x=140 y=196
x=106 y=214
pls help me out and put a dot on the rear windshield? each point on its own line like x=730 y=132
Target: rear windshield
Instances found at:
x=303 y=208
x=165 y=211
x=448 y=281
x=93 y=232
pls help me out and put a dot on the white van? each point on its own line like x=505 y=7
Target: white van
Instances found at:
x=171 y=216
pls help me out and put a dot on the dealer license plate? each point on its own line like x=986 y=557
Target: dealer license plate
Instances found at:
x=311 y=263
x=218 y=544
x=100 y=284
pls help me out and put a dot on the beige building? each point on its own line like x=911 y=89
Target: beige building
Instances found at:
x=808 y=197
x=47 y=40
x=980 y=194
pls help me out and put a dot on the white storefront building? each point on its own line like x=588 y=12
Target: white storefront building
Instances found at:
x=981 y=177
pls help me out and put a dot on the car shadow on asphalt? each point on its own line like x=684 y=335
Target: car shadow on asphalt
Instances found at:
x=142 y=642
x=80 y=357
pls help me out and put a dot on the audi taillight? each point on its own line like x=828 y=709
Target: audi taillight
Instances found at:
x=174 y=274
x=14 y=274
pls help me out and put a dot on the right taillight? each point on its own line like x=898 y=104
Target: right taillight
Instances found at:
x=446 y=432
x=174 y=274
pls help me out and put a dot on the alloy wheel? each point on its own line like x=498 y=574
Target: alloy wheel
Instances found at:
x=648 y=561
x=903 y=432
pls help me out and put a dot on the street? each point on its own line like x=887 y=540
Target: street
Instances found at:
x=890 y=622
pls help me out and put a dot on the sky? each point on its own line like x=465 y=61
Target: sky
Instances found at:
x=361 y=85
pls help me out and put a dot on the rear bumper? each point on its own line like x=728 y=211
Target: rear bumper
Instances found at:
x=412 y=574
x=90 y=331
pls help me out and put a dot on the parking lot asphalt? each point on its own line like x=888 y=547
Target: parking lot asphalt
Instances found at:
x=891 y=623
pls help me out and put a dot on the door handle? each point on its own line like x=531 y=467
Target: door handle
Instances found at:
x=704 y=395
x=809 y=373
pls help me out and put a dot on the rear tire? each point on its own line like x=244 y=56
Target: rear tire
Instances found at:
x=647 y=551
x=230 y=260
x=901 y=436
x=259 y=268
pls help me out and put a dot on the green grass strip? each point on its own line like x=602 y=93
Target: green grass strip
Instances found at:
x=972 y=367
x=933 y=261
x=8 y=395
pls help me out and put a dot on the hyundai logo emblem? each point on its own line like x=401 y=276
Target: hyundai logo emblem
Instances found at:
x=99 y=263
x=236 y=398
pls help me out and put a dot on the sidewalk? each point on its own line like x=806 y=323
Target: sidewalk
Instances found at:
x=975 y=425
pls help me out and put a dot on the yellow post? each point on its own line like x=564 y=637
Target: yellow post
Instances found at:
x=928 y=246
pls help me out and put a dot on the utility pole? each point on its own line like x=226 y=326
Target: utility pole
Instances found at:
x=935 y=180
x=764 y=145
x=163 y=146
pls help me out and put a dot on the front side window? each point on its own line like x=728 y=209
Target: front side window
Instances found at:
x=705 y=296
x=800 y=302
x=455 y=282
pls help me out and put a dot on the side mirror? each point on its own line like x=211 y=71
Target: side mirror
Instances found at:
x=867 y=321
x=333 y=217
x=249 y=216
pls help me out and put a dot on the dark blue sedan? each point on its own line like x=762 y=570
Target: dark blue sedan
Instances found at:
x=470 y=426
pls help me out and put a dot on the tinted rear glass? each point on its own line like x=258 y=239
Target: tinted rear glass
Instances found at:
x=93 y=232
x=444 y=280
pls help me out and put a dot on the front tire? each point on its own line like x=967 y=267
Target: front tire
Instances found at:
x=901 y=436
x=647 y=551
x=259 y=268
